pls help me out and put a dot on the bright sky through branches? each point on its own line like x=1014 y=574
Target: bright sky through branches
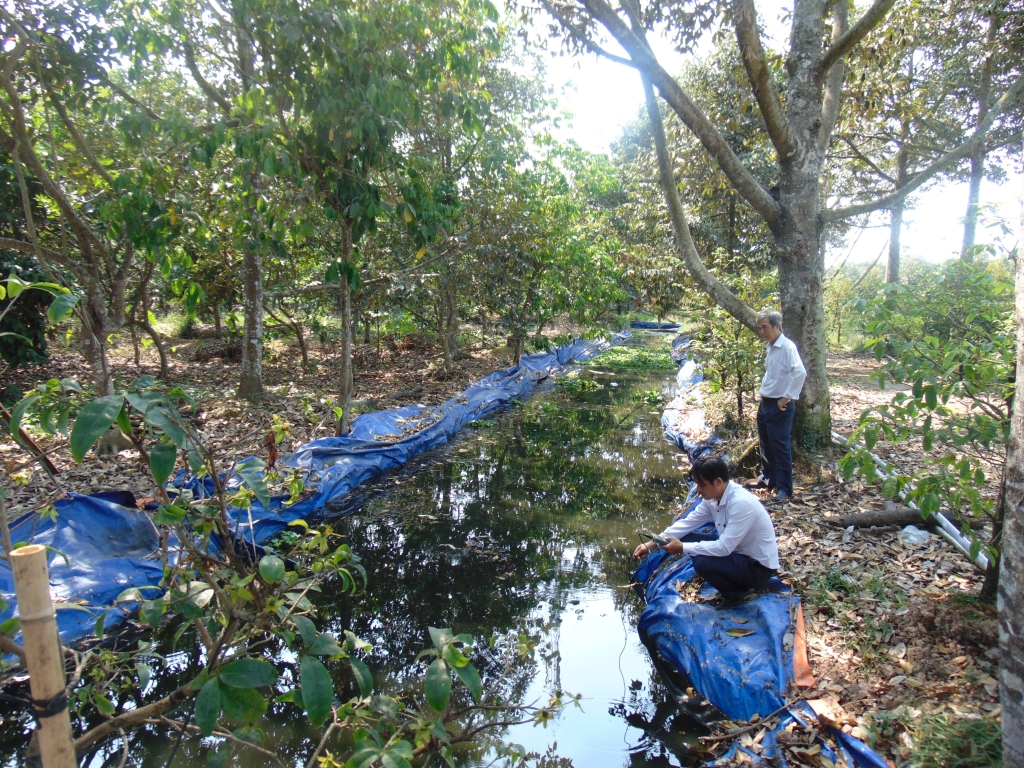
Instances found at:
x=602 y=97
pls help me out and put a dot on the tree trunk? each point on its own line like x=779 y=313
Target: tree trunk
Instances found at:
x=345 y=295
x=978 y=157
x=797 y=233
x=892 y=267
x=739 y=395
x=1011 y=579
x=147 y=326
x=251 y=385
x=448 y=317
x=215 y=308
x=366 y=328
x=973 y=199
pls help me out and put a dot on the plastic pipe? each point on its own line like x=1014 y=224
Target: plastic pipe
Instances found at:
x=946 y=529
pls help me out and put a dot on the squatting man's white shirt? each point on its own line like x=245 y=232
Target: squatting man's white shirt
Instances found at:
x=743 y=526
x=784 y=371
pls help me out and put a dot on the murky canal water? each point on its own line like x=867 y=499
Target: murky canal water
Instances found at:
x=519 y=533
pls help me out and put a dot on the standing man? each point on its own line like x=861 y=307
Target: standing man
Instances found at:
x=745 y=555
x=784 y=375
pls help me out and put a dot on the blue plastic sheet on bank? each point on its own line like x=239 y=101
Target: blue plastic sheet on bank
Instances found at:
x=111 y=546
x=741 y=674
x=648 y=325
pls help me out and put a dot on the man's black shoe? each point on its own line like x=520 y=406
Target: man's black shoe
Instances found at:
x=754 y=485
x=732 y=602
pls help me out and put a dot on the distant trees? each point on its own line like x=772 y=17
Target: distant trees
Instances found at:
x=799 y=97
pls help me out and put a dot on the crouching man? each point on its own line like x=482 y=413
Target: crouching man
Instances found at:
x=745 y=555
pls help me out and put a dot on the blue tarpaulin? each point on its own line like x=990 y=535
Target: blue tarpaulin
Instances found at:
x=648 y=325
x=112 y=546
x=742 y=674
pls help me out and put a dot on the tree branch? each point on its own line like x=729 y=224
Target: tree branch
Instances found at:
x=760 y=76
x=725 y=298
x=832 y=97
x=585 y=41
x=78 y=139
x=211 y=93
x=868 y=162
x=872 y=18
x=8 y=244
x=712 y=140
x=940 y=165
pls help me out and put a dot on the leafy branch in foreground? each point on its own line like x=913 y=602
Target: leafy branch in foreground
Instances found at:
x=243 y=617
x=953 y=343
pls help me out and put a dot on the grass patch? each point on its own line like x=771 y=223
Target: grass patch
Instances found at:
x=886 y=591
x=943 y=741
x=636 y=359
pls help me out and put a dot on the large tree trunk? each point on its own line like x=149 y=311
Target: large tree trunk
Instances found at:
x=892 y=267
x=978 y=156
x=973 y=200
x=798 y=241
x=1011 y=577
x=251 y=385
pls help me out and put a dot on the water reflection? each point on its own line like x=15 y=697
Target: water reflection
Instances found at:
x=519 y=533
x=522 y=533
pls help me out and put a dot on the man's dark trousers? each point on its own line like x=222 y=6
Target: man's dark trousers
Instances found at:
x=775 y=434
x=733 y=575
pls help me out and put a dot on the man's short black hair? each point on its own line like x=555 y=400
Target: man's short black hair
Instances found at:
x=709 y=470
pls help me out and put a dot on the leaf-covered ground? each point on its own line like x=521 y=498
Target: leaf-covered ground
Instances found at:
x=896 y=633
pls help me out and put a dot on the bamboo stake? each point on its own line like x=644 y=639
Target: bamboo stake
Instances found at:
x=43 y=654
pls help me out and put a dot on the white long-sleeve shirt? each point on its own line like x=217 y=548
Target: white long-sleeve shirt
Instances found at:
x=784 y=371
x=743 y=526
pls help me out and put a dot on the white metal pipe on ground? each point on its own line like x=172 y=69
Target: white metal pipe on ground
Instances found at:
x=946 y=529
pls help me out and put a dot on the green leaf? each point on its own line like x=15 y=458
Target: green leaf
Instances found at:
x=392 y=760
x=18 y=413
x=438 y=685
x=104 y=705
x=471 y=679
x=325 y=645
x=739 y=632
x=439 y=636
x=162 y=458
x=15 y=285
x=95 y=419
x=169 y=514
x=317 y=690
x=253 y=478
x=363 y=676
x=161 y=418
x=152 y=611
x=306 y=628
x=890 y=487
x=123 y=422
x=242 y=704
x=61 y=307
x=248 y=673
x=271 y=568
x=208 y=706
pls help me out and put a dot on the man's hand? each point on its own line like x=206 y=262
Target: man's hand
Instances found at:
x=674 y=546
x=783 y=402
x=645 y=549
